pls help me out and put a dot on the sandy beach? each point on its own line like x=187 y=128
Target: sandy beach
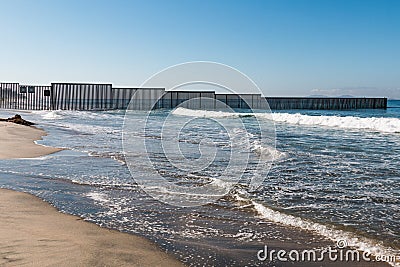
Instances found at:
x=17 y=141
x=200 y=133
x=33 y=233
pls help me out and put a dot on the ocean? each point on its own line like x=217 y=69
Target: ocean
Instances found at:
x=333 y=175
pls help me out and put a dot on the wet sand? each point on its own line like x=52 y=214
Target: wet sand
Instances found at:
x=17 y=141
x=33 y=233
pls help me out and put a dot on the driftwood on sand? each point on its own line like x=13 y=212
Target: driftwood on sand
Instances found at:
x=18 y=120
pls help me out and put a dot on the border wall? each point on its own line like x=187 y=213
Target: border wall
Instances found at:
x=71 y=96
x=277 y=103
x=25 y=97
x=87 y=96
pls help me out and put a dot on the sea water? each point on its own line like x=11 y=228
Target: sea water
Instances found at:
x=335 y=175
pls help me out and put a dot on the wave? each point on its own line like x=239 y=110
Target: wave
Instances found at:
x=336 y=235
x=117 y=156
x=378 y=124
x=49 y=115
x=100 y=197
x=78 y=114
x=90 y=129
x=267 y=153
x=210 y=113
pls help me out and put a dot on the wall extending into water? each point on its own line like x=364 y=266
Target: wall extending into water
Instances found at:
x=326 y=103
x=79 y=96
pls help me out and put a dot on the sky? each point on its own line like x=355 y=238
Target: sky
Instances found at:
x=289 y=48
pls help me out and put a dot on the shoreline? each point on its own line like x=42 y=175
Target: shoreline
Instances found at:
x=18 y=218
x=18 y=141
x=35 y=233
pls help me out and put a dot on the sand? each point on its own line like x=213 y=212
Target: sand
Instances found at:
x=17 y=141
x=33 y=233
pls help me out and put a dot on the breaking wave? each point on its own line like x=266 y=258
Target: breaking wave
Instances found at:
x=336 y=235
x=379 y=124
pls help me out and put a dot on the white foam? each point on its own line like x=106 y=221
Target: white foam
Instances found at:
x=267 y=153
x=49 y=115
x=379 y=124
x=207 y=113
x=90 y=129
x=100 y=197
x=65 y=114
x=221 y=183
x=353 y=241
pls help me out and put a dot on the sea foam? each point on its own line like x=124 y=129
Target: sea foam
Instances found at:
x=336 y=235
x=378 y=124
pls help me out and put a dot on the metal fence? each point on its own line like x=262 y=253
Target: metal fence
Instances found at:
x=332 y=103
x=70 y=96
x=25 y=97
x=147 y=99
x=186 y=99
x=242 y=101
x=122 y=97
x=80 y=96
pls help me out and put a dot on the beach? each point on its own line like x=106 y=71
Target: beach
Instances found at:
x=200 y=133
x=34 y=233
x=17 y=141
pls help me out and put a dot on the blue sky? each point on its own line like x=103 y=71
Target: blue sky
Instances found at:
x=289 y=48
